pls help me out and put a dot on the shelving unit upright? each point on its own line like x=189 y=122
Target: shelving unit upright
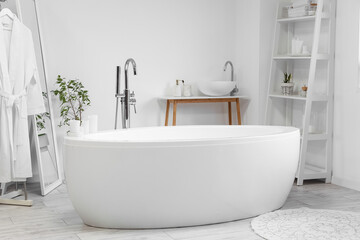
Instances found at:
x=313 y=114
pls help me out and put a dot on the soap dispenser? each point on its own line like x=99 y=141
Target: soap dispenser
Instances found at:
x=177 y=92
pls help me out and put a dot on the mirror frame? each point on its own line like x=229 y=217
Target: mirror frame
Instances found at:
x=44 y=189
x=358 y=63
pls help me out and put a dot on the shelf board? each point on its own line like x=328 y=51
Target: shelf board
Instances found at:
x=316 y=136
x=301 y=19
x=294 y=97
x=289 y=57
x=320 y=56
x=296 y=19
x=313 y=172
x=316 y=98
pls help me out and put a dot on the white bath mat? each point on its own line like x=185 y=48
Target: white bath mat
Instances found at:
x=308 y=224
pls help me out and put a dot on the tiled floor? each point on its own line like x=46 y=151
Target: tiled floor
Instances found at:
x=53 y=217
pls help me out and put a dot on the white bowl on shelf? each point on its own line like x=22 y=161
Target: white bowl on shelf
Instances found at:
x=216 y=88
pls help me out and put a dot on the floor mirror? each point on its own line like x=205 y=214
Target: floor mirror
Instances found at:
x=358 y=70
x=42 y=129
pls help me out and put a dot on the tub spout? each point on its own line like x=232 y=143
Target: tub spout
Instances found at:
x=235 y=90
x=127 y=98
x=127 y=63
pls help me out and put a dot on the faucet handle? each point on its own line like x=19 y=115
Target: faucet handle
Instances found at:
x=134 y=104
x=234 y=91
x=119 y=95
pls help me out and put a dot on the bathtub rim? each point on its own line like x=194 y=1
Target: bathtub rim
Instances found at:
x=86 y=142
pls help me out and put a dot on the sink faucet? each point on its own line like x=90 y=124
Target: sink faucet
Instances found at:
x=126 y=98
x=235 y=90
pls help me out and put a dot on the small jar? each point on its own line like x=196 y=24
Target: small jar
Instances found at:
x=312 y=8
x=303 y=91
x=187 y=91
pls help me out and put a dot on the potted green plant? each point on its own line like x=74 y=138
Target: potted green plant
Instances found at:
x=287 y=86
x=73 y=97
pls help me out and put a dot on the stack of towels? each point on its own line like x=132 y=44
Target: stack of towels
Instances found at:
x=299 y=8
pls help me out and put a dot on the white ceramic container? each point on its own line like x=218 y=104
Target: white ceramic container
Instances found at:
x=93 y=123
x=216 y=88
x=180 y=176
x=74 y=126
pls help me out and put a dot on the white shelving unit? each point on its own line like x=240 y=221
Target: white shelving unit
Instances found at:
x=313 y=114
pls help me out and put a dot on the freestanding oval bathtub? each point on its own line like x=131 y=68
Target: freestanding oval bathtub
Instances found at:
x=180 y=176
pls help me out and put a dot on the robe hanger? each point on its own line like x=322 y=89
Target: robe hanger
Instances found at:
x=8 y=198
x=7 y=13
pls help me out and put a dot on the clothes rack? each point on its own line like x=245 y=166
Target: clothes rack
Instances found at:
x=8 y=198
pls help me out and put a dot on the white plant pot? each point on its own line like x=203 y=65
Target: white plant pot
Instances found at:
x=287 y=88
x=75 y=126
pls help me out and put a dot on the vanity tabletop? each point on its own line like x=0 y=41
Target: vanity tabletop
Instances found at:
x=201 y=97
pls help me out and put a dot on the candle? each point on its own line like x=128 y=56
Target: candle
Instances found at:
x=93 y=123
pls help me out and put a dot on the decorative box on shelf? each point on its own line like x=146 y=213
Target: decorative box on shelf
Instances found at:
x=300 y=8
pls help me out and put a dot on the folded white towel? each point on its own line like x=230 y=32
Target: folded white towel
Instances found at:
x=299 y=3
x=304 y=8
x=297 y=12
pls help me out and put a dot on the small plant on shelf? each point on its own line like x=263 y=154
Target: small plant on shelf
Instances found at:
x=73 y=97
x=287 y=77
x=287 y=86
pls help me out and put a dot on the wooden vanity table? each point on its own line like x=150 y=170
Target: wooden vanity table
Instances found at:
x=203 y=99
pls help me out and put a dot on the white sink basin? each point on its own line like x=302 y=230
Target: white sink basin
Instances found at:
x=216 y=88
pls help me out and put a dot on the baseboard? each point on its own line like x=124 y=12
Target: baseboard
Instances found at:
x=346 y=183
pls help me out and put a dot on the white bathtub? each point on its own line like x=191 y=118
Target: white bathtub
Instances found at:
x=180 y=176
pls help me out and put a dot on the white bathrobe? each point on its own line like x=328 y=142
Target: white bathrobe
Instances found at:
x=20 y=96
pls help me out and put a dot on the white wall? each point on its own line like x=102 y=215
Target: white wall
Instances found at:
x=191 y=40
x=247 y=54
x=169 y=40
x=347 y=97
x=255 y=24
x=268 y=10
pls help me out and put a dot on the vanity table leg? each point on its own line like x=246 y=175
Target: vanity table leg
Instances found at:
x=174 y=113
x=230 y=117
x=238 y=111
x=167 y=112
